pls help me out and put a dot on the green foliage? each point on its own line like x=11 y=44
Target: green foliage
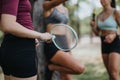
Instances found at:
x=85 y=26
x=1 y=34
x=118 y=2
x=1 y=37
x=74 y=20
x=92 y=72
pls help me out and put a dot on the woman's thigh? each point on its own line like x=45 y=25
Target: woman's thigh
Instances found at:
x=114 y=62
x=105 y=58
x=66 y=60
x=16 y=78
x=18 y=57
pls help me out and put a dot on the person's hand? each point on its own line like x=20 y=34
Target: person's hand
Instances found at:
x=46 y=37
x=110 y=38
x=92 y=24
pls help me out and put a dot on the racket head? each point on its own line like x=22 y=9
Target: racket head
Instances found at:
x=65 y=37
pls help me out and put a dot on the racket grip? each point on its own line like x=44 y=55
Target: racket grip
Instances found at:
x=50 y=40
x=93 y=16
x=53 y=36
x=46 y=41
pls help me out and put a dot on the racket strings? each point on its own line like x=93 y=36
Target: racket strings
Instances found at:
x=65 y=38
x=62 y=42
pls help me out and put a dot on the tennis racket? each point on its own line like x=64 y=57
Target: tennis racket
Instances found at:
x=64 y=37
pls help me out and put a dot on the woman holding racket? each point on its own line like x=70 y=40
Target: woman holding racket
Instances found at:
x=106 y=26
x=18 y=47
x=56 y=13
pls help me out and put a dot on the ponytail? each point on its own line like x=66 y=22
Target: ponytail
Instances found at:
x=113 y=3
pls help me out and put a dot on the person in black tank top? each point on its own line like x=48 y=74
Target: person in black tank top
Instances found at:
x=55 y=13
x=107 y=24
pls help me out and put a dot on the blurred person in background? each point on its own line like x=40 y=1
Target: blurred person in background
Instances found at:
x=106 y=26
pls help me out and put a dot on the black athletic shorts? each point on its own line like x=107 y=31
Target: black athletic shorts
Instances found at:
x=18 y=56
x=110 y=47
x=0 y=56
x=50 y=49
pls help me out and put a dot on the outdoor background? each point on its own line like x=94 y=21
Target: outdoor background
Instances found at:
x=88 y=50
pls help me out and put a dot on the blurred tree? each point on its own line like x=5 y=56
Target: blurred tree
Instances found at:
x=118 y=2
x=38 y=21
x=74 y=20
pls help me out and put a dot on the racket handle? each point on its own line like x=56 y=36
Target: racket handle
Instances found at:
x=46 y=41
x=50 y=40
x=93 y=15
x=53 y=36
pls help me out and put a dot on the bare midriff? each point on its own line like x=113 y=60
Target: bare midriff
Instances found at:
x=107 y=32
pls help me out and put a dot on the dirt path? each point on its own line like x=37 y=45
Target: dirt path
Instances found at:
x=88 y=52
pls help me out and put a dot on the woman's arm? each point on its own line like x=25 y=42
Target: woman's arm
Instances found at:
x=96 y=31
x=47 y=5
x=9 y=25
x=94 y=27
x=117 y=17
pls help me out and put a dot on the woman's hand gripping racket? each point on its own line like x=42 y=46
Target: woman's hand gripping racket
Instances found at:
x=64 y=37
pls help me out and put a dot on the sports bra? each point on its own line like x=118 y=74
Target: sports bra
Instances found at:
x=108 y=24
x=57 y=17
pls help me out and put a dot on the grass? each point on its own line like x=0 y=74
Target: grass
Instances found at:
x=92 y=72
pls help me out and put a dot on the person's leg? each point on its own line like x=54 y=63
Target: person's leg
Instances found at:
x=16 y=78
x=48 y=73
x=65 y=63
x=65 y=76
x=114 y=65
x=6 y=77
x=105 y=58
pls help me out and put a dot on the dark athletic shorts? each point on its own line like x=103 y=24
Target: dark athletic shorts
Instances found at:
x=18 y=56
x=0 y=56
x=50 y=49
x=110 y=47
